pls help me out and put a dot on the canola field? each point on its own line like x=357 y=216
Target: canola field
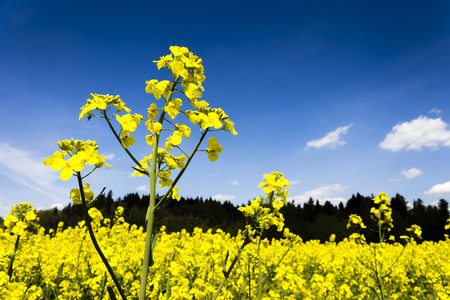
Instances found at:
x=109 y=259
x=65 y=265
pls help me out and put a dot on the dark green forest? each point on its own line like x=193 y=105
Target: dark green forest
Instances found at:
x=310 y=220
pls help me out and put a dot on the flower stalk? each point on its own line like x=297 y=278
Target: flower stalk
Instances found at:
x=94 y=240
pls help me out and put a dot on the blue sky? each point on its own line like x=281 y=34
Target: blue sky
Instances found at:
x=342 y=97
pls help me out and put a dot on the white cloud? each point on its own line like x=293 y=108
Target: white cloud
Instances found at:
x=322 y=193
x=439 y=190
x=331 y=140
x=294 y=182
x=221 y=197
x=25 y=168
x=109 y=156
x=234 y=182
x=417 y=134
x=142 y=188
x=411 y=173
x=436 y=111
x=59 y=206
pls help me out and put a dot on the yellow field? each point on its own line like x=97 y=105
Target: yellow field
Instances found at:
x=65 y=265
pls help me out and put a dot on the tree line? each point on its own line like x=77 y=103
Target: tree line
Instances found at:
x=310 y=220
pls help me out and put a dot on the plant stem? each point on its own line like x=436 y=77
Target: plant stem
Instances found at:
x=183 y=169
x=120 y=142
x=151 y=207
x=16 y=246
x=259 y=291
x=276 y=266
x=228 y=272
x=150 y=218
x=94 y=240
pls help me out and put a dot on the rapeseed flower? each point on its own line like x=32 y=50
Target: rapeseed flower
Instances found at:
x=214 y=148
x=80 y=153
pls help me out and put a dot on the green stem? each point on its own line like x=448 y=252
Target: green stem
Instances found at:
x=259 y=291
x=380 y=264
x=168 y=287
x=151 y=207
x=94 y=240
x=16 y=246
x=228 y=272
x=175 y=181
x=78 y=263
x=120 y=142
x=276 y=266
x=150 y=218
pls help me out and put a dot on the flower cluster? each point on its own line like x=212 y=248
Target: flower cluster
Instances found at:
x=414 y=229
x=214 y=148
x=166 y=162
x=21 y=218
x=80 y=153
x=128 y=124
x=382 y=214
x=355 y=220
x=274 y=185
x=75 y=195
x=291 y=238
x=100 y=103
x=188 y=77
x=262 y=216
x=265 y=213
x=187 y=68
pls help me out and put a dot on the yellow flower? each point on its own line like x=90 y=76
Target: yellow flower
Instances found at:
x=145 y=163
x=186 y=130
x=96 y=102
x=21 y=217
x=200 y=105
x=178 y=51
x=75 y=163
x=152 y=111
x=80 y=153
x=175 y=194
x=75 y=195
x=153 y=127
x=277 y=205
x=158 y=89
x=129 y=122
x=150 y=139
x=180 y=160
x=95 y=214
x=195 y=116
x=229 y=126
x=119 y=211
x=19 y=228
x=382 y=214
x=355 y=220
x=275 y=185
x=213 y=149
x=127 y=141
x=178 y=69
x=30 y=215
x=163 y=62
x=174 y=140
x=164 y=178
x=100 y=103
x=416 y=229
x=173 y=107
x=192 y=92
x=210 y=120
